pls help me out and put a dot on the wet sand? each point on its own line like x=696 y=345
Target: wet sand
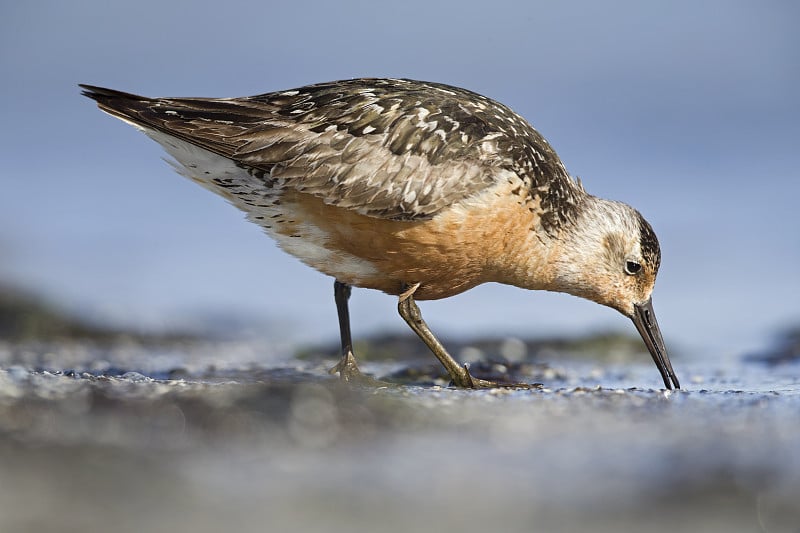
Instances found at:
x=241 y=437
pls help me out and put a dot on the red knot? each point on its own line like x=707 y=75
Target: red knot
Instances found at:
x=420 y=190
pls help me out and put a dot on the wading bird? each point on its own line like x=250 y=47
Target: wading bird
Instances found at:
x=420 y=190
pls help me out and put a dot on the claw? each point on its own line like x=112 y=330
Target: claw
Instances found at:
x=348 y=371
x=467 y=381
x=347 y=368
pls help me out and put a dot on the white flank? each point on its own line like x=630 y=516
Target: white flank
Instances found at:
x=307 y=242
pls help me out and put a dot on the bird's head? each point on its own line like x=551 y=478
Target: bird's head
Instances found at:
x=611 y=255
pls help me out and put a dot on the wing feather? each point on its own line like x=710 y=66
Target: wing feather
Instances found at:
x=395 y=149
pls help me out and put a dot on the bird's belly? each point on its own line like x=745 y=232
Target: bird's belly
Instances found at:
x=364 y=251
x=448 y=254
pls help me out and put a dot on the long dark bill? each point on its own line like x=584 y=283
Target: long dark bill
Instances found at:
x=645 y=320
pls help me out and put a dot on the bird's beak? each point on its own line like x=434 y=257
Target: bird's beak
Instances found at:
x=645 y=320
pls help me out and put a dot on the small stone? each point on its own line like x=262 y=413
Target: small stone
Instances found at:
x=135 y=377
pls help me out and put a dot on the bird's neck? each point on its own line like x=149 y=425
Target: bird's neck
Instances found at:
x=536 y=258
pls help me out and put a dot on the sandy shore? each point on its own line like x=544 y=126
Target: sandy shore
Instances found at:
x=242 y=437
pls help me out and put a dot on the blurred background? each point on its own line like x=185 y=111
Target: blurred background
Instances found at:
x=686 y=110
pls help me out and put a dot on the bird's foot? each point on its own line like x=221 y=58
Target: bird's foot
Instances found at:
x=465 y=380
x=348 y=371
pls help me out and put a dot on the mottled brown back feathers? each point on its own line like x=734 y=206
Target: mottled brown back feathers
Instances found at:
x=387 y=148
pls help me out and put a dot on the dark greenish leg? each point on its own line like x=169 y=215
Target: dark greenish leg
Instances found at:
x=347 y=367
x=410 y=312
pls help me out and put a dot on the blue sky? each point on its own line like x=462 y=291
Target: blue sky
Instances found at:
x=686 y=110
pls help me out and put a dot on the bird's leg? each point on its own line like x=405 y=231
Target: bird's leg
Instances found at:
x=346 y=367
x=410 y=312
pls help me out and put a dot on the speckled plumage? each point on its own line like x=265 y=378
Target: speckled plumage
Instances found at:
x=388 y=148
x=413 y=188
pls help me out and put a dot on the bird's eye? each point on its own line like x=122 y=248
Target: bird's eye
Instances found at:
x=632 y=267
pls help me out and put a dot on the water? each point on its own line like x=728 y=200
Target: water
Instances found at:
x=247 y=440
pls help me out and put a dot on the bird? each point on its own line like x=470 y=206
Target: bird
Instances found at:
x=421 y=190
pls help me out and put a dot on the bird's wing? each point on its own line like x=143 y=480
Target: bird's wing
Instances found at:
x=395 y=149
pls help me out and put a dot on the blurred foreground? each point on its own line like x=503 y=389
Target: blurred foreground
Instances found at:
x=177 y=434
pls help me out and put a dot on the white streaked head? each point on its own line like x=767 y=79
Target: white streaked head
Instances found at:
x=609 y=255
